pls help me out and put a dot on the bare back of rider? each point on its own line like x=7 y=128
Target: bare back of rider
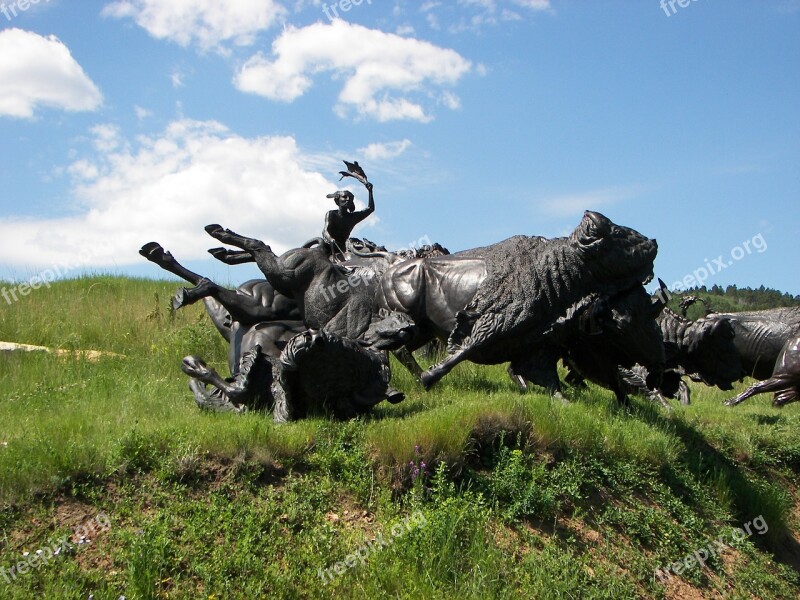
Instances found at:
x=339 y=224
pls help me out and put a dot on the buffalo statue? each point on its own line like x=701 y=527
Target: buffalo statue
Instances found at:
x=510 y=293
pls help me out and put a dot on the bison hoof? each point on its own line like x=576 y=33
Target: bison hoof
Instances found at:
x=428 y=379
x=395 y=396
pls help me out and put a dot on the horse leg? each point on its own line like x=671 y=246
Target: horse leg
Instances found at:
x=240 y=389
x=244 y=308
x=773 y=384
x=231 y=257
x=266 y=260
x=786 y=396
x=215 y=400
x=155 y=253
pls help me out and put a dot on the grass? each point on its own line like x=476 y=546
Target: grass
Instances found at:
x=516 y=495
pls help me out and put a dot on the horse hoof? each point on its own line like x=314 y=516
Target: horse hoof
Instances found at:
x=194 y=366
x=154 y=252
x=179 y=299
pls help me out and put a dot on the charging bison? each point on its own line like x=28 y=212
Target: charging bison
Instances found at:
x=525 y=284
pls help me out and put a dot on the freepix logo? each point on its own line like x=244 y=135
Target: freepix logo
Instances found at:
x=10 y=10
x=332 y=11
x=669 y=5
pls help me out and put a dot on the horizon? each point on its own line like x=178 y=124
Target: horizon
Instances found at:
x=135 y=120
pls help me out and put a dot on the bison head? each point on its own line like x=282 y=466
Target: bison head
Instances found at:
x=711 y=354
x=390 y=331
x=618 y=257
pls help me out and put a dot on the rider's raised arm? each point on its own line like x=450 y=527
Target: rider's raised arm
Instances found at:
x=363 y=214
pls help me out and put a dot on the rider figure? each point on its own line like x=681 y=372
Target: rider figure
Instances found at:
x=340 y=223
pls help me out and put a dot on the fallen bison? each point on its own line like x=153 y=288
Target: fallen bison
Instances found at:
x=316 y=373
x=785 y=379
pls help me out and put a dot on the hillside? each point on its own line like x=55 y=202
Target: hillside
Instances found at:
x=733 y=299
x=472 y=490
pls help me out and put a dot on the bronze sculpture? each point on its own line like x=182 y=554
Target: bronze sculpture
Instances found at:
x=784 y=381
x=528 y=301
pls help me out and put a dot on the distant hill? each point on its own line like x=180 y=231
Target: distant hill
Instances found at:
x=734 y=299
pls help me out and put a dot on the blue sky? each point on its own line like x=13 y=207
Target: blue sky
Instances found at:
x=127 y=121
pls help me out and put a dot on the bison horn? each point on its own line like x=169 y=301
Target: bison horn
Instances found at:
x=661 y=298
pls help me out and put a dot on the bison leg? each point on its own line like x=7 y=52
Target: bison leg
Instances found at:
x=540 y=369
x=518 y=379
x=773 y=384
x=406 y=358
x=439 y=370
x=684 y=393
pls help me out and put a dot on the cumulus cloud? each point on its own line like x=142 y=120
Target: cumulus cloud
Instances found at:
x=167 y=188
x=386 y=76
x=206 y=23
x=385 y=151
x=40 y=71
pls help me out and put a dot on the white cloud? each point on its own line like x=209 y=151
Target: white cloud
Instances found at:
x=474 y=15
x=167 y=189
x=385 y=75
x=142 y=113
x=542 y=5
x=385 y=151
x=176 y=77
x=206 y=23
x=40 y=71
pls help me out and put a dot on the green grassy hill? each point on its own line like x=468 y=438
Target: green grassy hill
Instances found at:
x=472 y=490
